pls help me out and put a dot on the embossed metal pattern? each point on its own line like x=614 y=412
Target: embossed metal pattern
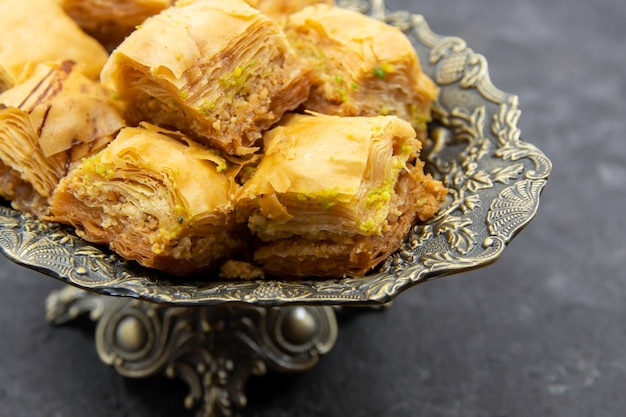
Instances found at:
x=495 y=180
x=213 y=349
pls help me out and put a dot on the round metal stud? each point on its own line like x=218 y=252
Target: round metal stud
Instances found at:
x=131 y=334
x=299 y=326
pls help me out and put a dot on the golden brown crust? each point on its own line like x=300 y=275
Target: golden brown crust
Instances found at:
x=335 y=195
x=37 y=31
x=279 y=10
x=362 y=66
x=110 y=21
x=326 y=174
x=154 y=197
x=22 y=195
x=234 y=269
x=231 y=75
x=48 y=122
x=416 y=196
x=6 y=80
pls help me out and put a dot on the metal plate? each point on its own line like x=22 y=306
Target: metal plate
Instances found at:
x=495 y=180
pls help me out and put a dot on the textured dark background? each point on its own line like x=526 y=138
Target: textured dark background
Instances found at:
x=540 y=333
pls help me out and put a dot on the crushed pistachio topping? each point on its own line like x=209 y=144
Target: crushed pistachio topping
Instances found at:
x=382 y=71
x=419 y=119
x=368 y=226
x=341 y=89
x=381 y=194
x=398 y=163
x=206 y=107
x=388 y=68
x=221 y=166
x=326 y=199
x=406 y=149
x=95 y=166
x=237 y=77
x=326 y=204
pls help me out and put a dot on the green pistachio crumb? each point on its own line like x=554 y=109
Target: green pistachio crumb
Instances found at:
x=221 y=167
x=326 y=205
x=344 y=95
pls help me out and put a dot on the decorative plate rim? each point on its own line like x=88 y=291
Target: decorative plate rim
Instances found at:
x=475 y=148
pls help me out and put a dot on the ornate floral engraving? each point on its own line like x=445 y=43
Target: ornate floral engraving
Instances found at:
x=213 y=349
x=475 y=147
x=514 y=207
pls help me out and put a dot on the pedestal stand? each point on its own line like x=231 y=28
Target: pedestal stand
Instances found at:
x=214 y=349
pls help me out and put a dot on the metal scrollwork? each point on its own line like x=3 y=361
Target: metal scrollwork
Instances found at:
x=213 y=349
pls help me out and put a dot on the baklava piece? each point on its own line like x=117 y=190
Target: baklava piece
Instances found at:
x=220 y=71
x=37 y=31
x=47 y=123
x=362 y=66
x=154 y=197
x=335 y=196
x=110 y=21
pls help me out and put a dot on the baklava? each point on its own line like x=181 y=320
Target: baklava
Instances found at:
x=155 y=197
x=361 y=66
x=48 y=122
x=110 y=21
x=37 y=31
x=220 y=71
x=334 y=196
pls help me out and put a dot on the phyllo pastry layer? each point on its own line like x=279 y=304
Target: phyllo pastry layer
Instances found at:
x=47 y=123
x=110 y=21
x=6 y=80
x=155 y=197
x=279 y=10
x=362 y=66
x=336 y=195
x=220 y=71
x=37 y=31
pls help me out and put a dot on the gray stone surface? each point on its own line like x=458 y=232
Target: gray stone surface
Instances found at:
x=539 y=333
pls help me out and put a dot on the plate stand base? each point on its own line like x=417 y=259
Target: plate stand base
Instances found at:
x=214 y=349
